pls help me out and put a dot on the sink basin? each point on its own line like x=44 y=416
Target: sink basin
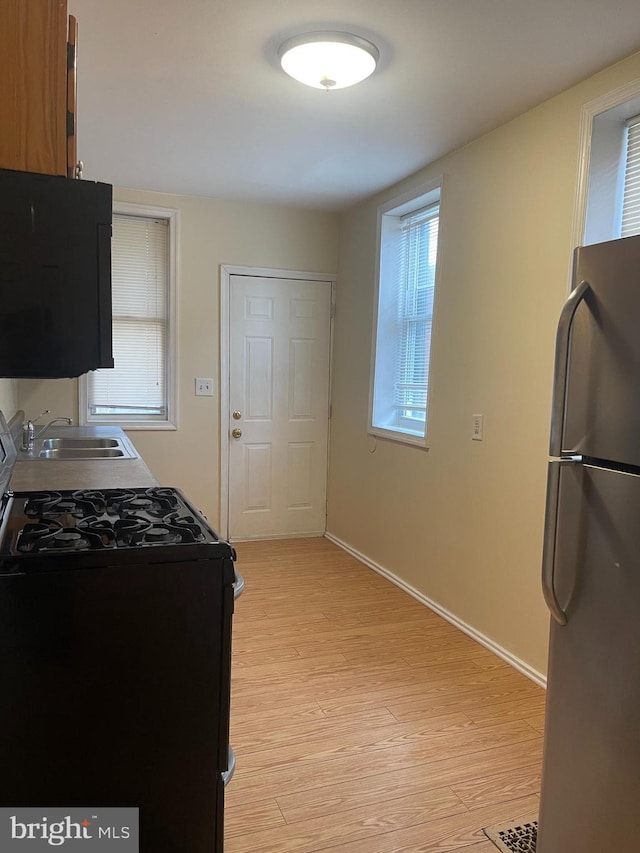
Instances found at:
x=64 y=446
x=83 y=443
x=82 y=453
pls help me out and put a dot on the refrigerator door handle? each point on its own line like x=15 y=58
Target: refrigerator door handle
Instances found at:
x=563 y=338
x=549 y=545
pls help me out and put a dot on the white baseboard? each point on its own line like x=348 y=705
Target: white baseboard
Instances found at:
x=313 y=534
x=485 y=641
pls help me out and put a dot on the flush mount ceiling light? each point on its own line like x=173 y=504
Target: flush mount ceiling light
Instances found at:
x=328 y=60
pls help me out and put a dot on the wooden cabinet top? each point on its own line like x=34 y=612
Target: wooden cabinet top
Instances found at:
x=33 y=85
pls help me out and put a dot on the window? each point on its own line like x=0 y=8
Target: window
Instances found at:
x=613 y=190
x=630 y=224
x=408 y=240
x=138 y=391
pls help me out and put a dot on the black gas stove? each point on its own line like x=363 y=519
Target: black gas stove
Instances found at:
x=91 y=524
x=115 y=632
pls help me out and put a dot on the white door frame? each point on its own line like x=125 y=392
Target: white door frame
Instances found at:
x=226 y=271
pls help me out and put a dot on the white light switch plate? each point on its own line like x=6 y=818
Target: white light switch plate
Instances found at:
x=477 y=427
x=204 y=387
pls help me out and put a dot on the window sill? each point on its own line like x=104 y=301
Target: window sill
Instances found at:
x=134 y=425
x=399 y=437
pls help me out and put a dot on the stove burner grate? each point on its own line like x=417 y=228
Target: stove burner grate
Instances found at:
x=51 y=504
x=91 y=519
x=156 y=502
x=52 y=536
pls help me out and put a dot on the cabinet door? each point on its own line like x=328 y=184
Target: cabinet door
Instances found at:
x=55 y=276
x=33 y=86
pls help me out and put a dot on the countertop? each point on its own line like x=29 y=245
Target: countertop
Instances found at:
x=55 y=474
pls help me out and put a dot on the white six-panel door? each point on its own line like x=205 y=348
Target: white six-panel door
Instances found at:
x=279 y=345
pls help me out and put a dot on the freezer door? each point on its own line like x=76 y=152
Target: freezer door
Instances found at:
x=602 y=408
x=591 y=770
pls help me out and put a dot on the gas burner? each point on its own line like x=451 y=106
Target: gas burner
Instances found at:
x=186 y=523
x=52 y=536
x=31 y=534
x=163 y=493
x=131 y=530
x=156 y=502
x=115 y=497
x=50 y=504
x=67 y=538
x=40 y=504
x=91 y=497
x=101 y=527
x=161 y=534
x=138 y=503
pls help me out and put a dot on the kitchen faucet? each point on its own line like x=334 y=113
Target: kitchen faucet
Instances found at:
x=29 y=435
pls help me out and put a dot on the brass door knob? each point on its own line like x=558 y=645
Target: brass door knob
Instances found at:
x=236 y=433
x=237 y=415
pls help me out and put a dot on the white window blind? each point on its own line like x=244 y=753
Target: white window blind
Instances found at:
x=408 y=234
x=631 y=199
x=137 y=386
x=416 y=264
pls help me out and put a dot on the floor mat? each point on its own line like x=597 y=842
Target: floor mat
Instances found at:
x=516 y=836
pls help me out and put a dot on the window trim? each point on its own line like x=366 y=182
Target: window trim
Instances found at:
x=171 y=421
x=408 y=202
x=605 y=179
x=590 y=111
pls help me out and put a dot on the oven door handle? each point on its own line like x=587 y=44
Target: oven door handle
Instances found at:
x=231 y=766
x=238 y=585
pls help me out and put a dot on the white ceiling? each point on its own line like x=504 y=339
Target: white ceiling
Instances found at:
x=186 y=96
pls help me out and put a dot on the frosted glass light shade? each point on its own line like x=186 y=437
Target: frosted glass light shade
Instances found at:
x=328 y=60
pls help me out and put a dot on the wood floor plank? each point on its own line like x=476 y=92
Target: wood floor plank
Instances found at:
x=469 y=770
x=343 y=741
x=248 y=818
x=288 y=667
x=355 y=825
x=444 y=835
x=485 y=701
x=483 y=847
x=537 y=722
x=316 y=729
x=498 y=787
x=366 y=723
x=257 y=657
x=296 y=775
x=515 y=708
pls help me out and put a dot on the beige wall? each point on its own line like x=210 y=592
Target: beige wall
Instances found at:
x=463 y=521
x=212 y=232
x=8 y=397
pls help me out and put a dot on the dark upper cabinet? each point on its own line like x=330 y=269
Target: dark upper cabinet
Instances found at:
x=55 y=275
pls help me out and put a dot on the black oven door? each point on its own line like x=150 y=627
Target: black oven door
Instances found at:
x=115 y=693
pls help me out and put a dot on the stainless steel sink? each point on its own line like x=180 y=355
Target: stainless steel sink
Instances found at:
x=83 y=443
x=69 y=443
x=82 y=453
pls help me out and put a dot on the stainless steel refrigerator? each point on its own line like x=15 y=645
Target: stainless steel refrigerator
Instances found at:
x=590 y=800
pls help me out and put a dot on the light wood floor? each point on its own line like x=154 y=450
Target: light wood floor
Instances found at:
x=364 y=723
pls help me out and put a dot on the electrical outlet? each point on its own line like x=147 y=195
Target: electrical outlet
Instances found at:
x=204 y=387
x=477 y=427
